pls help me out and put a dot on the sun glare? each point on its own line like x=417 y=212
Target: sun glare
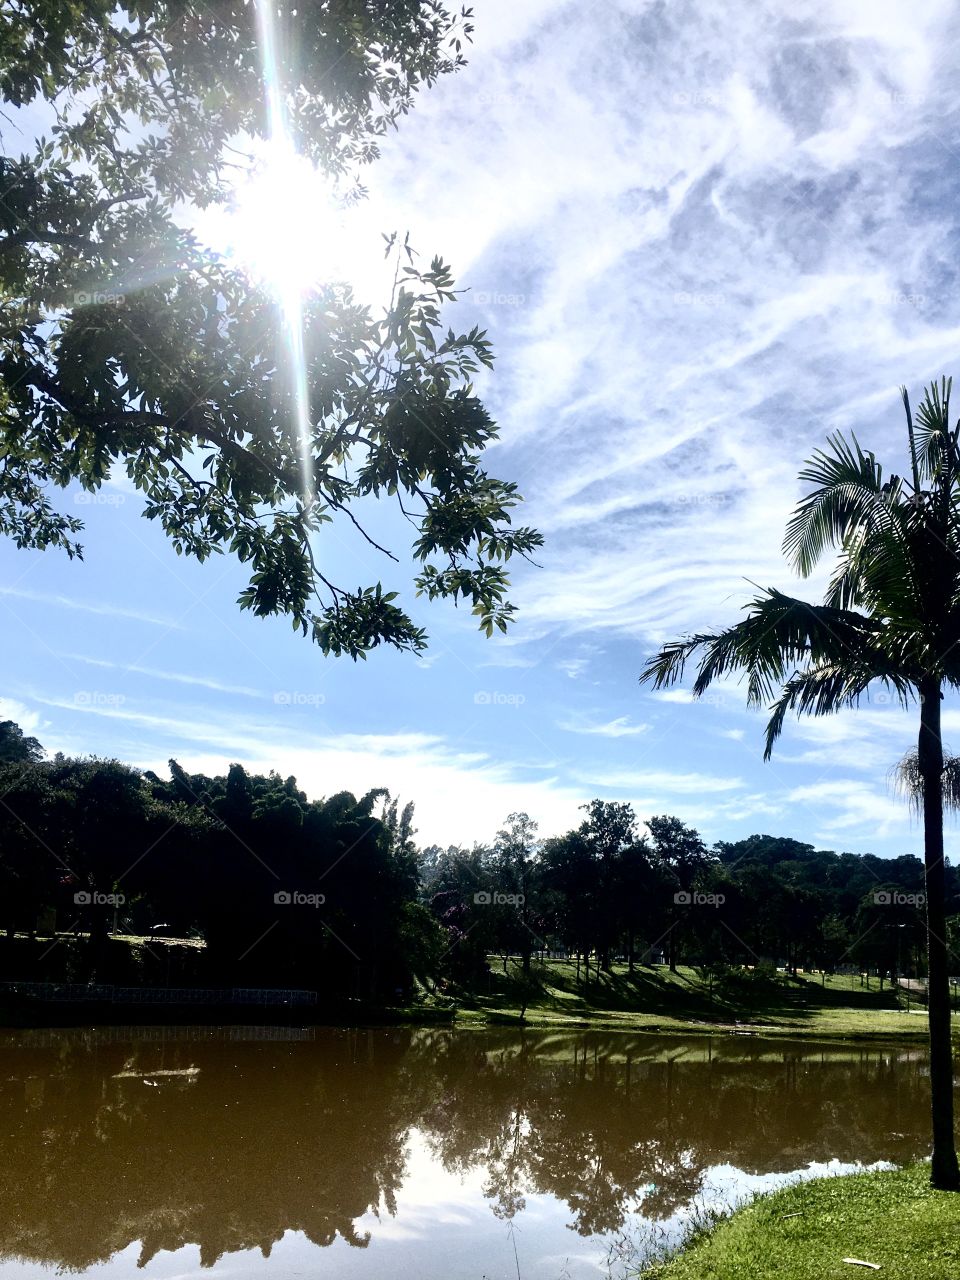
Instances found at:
x=283 y=228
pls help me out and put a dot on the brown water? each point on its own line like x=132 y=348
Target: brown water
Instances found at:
x=429 y=1154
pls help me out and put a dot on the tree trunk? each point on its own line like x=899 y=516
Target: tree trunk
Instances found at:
x=944 y=1172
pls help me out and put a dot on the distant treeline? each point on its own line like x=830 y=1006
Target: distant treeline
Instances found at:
x=334 y=895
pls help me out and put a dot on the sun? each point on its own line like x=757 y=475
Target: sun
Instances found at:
x=283 y=226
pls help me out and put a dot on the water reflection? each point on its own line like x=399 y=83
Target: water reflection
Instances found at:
x=228 y=1139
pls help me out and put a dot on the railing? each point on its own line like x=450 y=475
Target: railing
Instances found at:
x=175 y=1033
x=104 y=993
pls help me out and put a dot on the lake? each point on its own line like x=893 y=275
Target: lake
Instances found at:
x=435 y=1154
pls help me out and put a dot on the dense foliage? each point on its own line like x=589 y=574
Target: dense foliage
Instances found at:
x=126 y=346
x=333 y=895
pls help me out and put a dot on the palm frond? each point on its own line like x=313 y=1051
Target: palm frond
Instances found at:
x=826 y=688
x=908 y=783
x=848 y=494
x=932 y=429
x=911 y=439
x=666 y=668
x=778 y=633
x=875 y=572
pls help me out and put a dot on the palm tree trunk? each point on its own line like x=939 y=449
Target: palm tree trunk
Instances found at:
x=944 y=1172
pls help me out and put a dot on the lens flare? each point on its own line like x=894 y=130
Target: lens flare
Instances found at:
x=276 y=217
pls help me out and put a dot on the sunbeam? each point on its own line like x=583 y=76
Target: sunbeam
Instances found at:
x=279 y=212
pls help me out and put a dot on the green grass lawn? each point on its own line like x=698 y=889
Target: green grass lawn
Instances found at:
x=804 y=1232
x=837 y=1006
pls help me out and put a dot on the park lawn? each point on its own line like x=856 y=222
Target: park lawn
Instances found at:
x=805 y=1231
x=651 y=999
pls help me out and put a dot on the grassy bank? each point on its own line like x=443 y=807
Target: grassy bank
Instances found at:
x=650 y=998
x=805 y=1232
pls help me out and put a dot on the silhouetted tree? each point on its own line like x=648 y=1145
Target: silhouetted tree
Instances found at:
x=15 y=746
x=891 y=615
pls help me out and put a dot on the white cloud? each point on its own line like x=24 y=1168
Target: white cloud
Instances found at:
x=26 y=717
x=656 y=781
x=573 y=667
x=618 y=728
x=460 y=794
x=843 y=806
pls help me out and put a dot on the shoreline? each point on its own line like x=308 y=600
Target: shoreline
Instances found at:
x=851 y=1223
x=650 y=1001
x=37 y=1016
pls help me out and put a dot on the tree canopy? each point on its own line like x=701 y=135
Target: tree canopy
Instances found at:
x=127 y=345
x=335 y=895
x=16 y=746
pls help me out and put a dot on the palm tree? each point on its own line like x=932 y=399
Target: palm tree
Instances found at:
x=891 y=615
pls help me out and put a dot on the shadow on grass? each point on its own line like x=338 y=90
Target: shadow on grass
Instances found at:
x=739 y=996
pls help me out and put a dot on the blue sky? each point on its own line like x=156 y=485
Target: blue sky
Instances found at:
x=701 y=237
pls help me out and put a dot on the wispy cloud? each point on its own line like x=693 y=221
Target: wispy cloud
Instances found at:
x=856 y=807
x=175 y=677
x=621 y=727
x=754 y=176
x=101 y=608
x=700 y=239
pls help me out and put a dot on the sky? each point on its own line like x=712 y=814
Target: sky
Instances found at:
x=701 y=236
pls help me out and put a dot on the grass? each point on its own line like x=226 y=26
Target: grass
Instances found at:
x=804 y=1232
x=653 y=998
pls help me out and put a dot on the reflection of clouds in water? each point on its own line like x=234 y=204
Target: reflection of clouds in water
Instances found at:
x=723 y=1189
x=443 y=1228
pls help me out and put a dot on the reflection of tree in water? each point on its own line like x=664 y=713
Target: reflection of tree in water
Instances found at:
x=572 y=1126
x=102 y=1148
x=612 y=1125
x=264 y=1138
